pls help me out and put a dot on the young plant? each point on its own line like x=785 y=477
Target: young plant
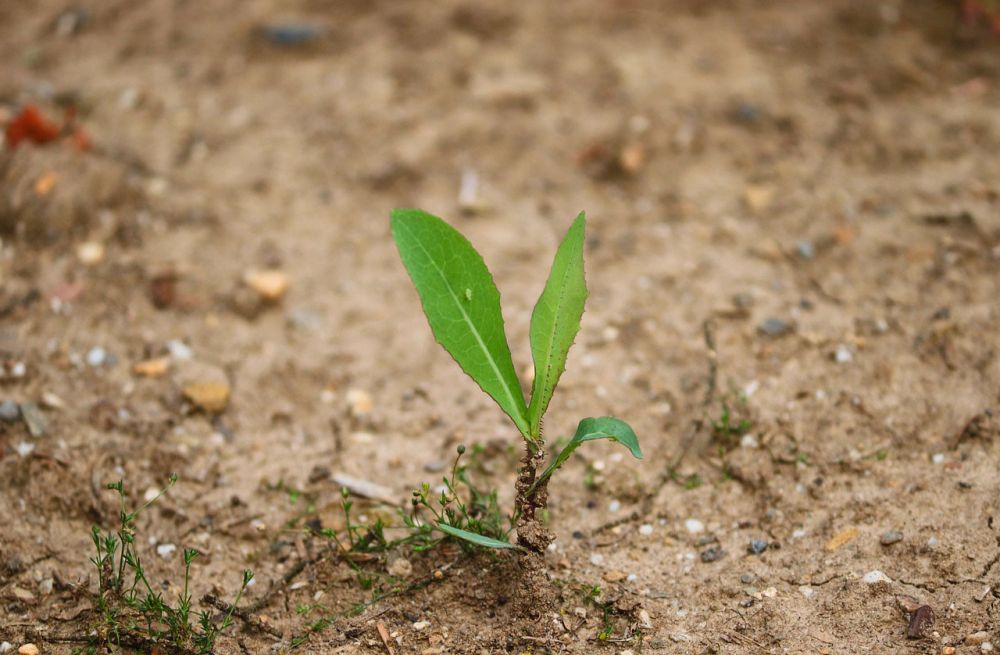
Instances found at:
x=132 y=611
x=462 y=305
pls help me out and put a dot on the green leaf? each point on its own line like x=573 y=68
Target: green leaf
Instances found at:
x=556 y=320
x=462 y=305
x=605 y=427
x=472 y=537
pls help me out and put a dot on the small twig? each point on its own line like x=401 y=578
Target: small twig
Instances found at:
x=634 y=516
x=698 y=423
x=383 y=634
x=240 y=613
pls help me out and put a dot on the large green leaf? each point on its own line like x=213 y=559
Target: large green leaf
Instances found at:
x=462 y=305
x=472 y=537
x=605 y=427
x=556 y=320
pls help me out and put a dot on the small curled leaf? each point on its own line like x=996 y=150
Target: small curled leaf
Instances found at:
x=604 y=427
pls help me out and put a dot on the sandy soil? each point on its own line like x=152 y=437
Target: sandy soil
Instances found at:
x=817 y=183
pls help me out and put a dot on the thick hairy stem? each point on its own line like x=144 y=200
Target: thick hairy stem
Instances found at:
x=531 y=533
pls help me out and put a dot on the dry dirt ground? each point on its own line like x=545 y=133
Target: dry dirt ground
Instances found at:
x=814 y=183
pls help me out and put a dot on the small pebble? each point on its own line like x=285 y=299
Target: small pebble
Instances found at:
x=694 y=526
x=90 y=253
x=757 y=546
x=933 y=542
x=28 y=649
x=807 y=591
x=270 y=285
x=435 y=467
x=806 y=249
x=937 y=458
x=646 y=529
x=986 y=647
x=400 y=568
x=97 y=356
x=152 y=368
x=749 y=441
x=291 y=34
x=166 y=550
x=34 y=419
x=597 y=559
x=179 y=350
x=6 y=646
x=24 y=448
x=420 y=625
x=977 y=638
x=712 y=554
x=874 y=577
x=843 y=354
x=891 y=537
x=9 y=411
x=614 y=506
x=360 y=402
x=774 y=327
x=614 y=575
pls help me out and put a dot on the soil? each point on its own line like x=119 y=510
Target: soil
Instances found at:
x=812 y=186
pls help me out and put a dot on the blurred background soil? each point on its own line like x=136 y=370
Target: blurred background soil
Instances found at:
x=196 y=277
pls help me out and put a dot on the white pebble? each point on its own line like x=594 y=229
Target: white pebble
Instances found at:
x=614 y=506
x=749 y=441
x=645 y=529
x=6 y=646
x=179 y=350
x=937 y=458
x=631 y=577
x=751 y=388
x=597 y=559
x=798 y=533
x=843 y=354
x=873 y=577
x=420 y=625
x=694 y=526
x=97 y=356
x=166 y=550
x=933 y=542
x=24 y=448
x=807 y=591
x=986 y=647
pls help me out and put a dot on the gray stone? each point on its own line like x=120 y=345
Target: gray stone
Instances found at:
x=9 y=411
x=34 y=419
x=774 y=327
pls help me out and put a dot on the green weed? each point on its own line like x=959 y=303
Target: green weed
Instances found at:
x=131 y=612
x=462 y=306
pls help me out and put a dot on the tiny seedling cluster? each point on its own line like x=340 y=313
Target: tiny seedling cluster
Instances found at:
x=462 y=305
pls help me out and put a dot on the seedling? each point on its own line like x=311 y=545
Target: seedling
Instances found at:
x=462 y=305
x=132 y=612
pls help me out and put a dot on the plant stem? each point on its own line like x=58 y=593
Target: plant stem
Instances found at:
x=531 y=498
